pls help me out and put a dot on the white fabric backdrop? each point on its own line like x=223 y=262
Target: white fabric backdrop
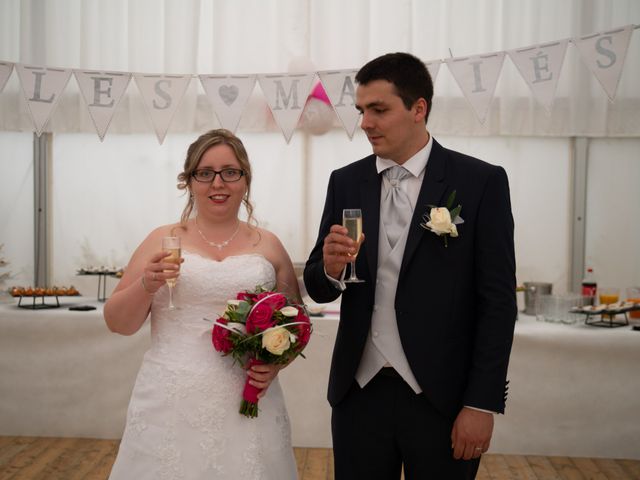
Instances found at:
x=267 y=36
x=107 y=196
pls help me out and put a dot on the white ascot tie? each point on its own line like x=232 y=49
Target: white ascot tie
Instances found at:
x=396 y=209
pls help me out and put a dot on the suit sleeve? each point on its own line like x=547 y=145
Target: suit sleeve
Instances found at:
x=496 y=309
x=319 y=288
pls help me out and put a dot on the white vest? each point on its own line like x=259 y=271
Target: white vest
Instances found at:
x=383 y=345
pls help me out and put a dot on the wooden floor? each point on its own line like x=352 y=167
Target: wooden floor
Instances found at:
x=35 y=458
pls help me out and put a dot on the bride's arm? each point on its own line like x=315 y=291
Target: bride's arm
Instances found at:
x=129 y=304
x=286 y=283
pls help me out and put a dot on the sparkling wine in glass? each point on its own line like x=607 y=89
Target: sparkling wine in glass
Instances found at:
x=352 y=221
x=171 y=245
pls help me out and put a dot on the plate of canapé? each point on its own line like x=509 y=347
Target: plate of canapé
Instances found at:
x=44 y=291
x=617 y=307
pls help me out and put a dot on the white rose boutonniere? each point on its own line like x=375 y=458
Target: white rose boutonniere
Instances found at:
x=443 y=220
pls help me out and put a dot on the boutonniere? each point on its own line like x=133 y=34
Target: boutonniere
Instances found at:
x=443 y=220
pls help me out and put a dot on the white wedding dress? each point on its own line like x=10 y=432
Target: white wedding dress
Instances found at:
x=183 y=420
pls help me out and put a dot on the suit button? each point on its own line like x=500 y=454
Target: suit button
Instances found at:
x=375 y=334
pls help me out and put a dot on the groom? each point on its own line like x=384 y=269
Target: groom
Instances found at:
x=420 y=360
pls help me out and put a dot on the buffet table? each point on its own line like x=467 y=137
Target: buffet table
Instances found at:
x=574 y=389
x=63 y=373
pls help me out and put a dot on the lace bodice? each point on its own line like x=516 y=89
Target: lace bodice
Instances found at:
x=183 y=419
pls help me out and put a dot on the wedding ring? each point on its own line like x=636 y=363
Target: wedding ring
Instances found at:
x=478 y=448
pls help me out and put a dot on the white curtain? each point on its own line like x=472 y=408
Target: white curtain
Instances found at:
x=270 y=36
x=106 y=196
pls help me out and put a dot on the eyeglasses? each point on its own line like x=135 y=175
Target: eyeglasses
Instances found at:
x=226 y=174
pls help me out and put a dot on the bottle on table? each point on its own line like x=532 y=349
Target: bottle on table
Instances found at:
x=589 y=287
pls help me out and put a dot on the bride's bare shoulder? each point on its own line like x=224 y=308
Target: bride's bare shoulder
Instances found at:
x=170 y=230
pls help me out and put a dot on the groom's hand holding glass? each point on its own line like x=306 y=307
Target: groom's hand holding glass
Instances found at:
x=338 y=250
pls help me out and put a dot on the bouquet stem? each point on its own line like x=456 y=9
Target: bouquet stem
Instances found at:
x=249 y=404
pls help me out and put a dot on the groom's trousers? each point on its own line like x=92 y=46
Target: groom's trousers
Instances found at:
x=385 y=425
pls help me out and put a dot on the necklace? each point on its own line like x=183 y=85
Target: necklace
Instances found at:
x=219 y=246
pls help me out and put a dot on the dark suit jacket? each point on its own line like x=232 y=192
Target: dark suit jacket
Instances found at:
x=455 y=305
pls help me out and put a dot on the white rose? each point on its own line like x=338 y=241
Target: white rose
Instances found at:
x=440 y=222
x=289 y=311
x=276 y=340
x=238 y=327
x=233 y=302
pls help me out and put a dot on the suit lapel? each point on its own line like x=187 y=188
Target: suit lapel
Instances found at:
x=431 y=193
x=370 y=201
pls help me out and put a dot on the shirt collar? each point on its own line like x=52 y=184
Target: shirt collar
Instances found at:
x=415 y=164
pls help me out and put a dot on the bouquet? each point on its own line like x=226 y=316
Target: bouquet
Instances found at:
x=261 y=326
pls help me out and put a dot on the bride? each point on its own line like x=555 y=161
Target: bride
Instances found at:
x=183 y=420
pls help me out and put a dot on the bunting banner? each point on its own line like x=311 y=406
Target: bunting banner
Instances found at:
x=341 y=90
x=477 y=77
x=434 y=68
x=540 y=67
x=42 y=88
x=228 y=95
x=162 y=95
x=604 y=54
x=5 y=72
x=102 y=92
x=286 y=95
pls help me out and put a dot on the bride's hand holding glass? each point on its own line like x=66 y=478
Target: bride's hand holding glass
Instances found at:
x=163 y=268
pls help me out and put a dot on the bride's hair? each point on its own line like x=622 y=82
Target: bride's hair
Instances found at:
x=195 y=152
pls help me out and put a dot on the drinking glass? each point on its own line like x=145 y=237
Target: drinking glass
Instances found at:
x=607 y=295
x=352 y=221
x=633 y=295
x=171 y=245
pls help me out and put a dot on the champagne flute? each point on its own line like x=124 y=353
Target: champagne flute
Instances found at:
x=171 y=245
x=352 y=221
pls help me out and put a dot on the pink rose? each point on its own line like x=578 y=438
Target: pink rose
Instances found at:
x=220 y=337
x=304 y=329
x=260 y=318
x=275 y=300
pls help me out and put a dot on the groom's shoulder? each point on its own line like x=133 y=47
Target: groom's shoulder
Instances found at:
x=358 y=167
x=469 y=164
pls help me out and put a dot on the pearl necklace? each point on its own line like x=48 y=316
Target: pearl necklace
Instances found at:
x=219 y=246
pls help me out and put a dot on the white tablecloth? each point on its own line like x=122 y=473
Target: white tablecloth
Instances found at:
x=574 y=391
x=63 y=373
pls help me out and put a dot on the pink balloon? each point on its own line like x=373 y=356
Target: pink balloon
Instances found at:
x=319 y=93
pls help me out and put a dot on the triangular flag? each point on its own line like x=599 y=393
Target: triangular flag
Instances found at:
x=540 y=67
x=477 y=77
x=229 y=95
x=162 y=95
x=433 y=67
x=340 y=88
x=604 y=54
x=5 y=72
x=286 y=95
x=42 y=88
x=102 y=92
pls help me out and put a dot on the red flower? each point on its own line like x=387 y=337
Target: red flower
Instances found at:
x=220 y=337
x=275 y=300
x=304 y=329
x=246 y=296
x=260 y=318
